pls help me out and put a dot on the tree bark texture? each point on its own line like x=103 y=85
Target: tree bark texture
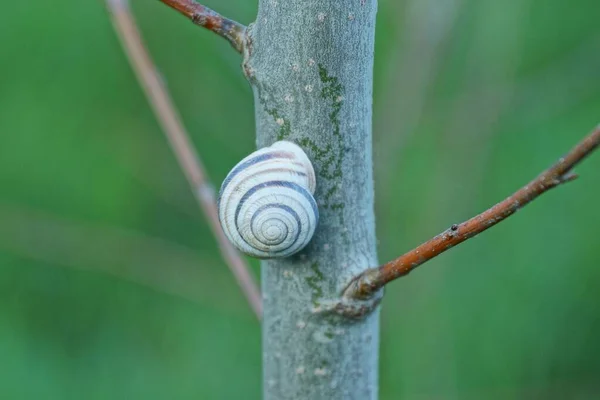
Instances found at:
x=310 y=64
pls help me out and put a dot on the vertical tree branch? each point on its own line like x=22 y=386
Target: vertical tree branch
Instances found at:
x=372 y=280
x=175 y=132
x=211 y=20
x=311 y=68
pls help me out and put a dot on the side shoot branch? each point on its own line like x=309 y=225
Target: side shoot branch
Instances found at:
x=371 y=281
x=200 y=15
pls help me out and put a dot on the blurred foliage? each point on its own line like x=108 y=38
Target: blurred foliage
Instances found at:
x=110 y=282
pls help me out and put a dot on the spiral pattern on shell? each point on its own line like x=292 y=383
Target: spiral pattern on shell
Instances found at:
x=266 y=204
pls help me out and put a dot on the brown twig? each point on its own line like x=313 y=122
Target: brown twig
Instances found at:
x=200 y=15
x=172 y=126
x=372 y=280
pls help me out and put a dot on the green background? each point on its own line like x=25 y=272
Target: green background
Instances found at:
x=111 y=286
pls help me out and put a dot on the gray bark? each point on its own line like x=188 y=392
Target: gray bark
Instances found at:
x=310 y=64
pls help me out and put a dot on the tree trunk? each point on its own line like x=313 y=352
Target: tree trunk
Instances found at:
x=311 y=64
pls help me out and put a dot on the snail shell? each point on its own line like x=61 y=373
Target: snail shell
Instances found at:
x=266 y=204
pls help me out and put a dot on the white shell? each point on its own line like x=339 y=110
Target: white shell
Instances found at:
x=266 y=204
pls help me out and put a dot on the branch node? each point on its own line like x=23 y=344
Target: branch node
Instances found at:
x=570 y=177
x=351 y=307
x=362 y=287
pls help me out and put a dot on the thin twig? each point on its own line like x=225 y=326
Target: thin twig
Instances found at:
x=200 y=15
x=372 y=280
x=172 y=126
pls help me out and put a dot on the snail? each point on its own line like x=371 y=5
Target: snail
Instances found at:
x=266 y=204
